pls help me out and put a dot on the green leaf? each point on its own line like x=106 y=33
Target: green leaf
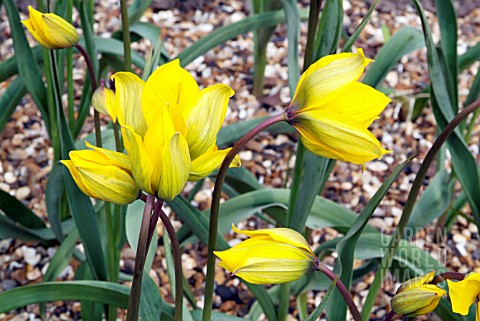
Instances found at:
x=348 y=45
x=133 y=222
x=18 y=212
x=337 y=308
x=292 y=16
x=447 y=20
x=53 y=198
x=220 y=35
x=150 y=299
x=434 y=202
x=329 y=29
x=62 y=257
x=9 y=67
x=318 y=310
x=136 y=10
x=10 y=99
x=84 y=216
x=10 y=229
x=403 y=42
x=88 y=35
x=93 y=291
x=463 y=161
x=318 y=170
x=26 y=63
x=216 y=316
x=115 y=47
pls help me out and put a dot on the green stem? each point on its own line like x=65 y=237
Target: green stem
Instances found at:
x=118 y=140
x=112 y=256
x=126 y=35
x=177 y=260
x=134 y=300
x=93 y=83
x=407 y=210
x=214 y=211
x=313 y=13
x=342 y=289
x=284 y=301
x=70 y=91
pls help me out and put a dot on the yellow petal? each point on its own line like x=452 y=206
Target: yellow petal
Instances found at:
x=59 y=32
x=171 y=87
x=128 y=106
x=114 y=158
x=326 y=78
x=208 y=162
x=76 y=177
x=464 y=293
x=417 y=300
x=50 y=30
x=285 y=235
x=206 y=118
x=416 y=282
x=143 y=171
x=103 y=181
x=274 y=271
x=333 y=135
x=263 y=260
x=175 y=168
x=360 y=102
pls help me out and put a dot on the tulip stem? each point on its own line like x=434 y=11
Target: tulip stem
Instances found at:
x=134 y=300
x=93 y=84
x=341 y=288
x=389 y=316
x=177 y=259
x=409 y=204
x=214 y=211
x=126 y=35
x=448 y=276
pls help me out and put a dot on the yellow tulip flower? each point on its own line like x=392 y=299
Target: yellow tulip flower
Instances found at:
x=170 y=132
x=50 y=30
x=464 y=293
x=416 y=296
x=103 y=174
x=332 y=110
x=269 y=256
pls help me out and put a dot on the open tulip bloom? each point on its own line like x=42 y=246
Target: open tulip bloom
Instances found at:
x=269 y=256
x=332 y=111
x=464 y=293
x=169 y=127
x=50 y=30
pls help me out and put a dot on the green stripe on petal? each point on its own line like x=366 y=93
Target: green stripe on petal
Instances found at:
x=143 y=171
x=333 y=135
x=205 y=119
x=128 y=104
x=175 y=168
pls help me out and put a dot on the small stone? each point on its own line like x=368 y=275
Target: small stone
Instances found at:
x=30 y=255
x=34 y=274
x=8 y=284
x=22 y=193
x=9 y=178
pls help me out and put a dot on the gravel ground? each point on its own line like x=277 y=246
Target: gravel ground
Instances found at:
x=26 y=156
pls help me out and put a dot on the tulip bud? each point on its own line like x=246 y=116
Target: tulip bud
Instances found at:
x=99 y=99
x=103 y=174
x=415 y=296
x=50 y=30
x=269 y=256
x=416 y=301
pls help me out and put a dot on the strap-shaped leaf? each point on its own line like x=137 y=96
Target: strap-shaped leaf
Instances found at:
x=10 y=99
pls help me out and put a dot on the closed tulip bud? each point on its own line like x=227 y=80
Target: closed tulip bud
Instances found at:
x=416 y=296
x=269 y=256
x=50 y=30
x=99 y=99
x=103 y=174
